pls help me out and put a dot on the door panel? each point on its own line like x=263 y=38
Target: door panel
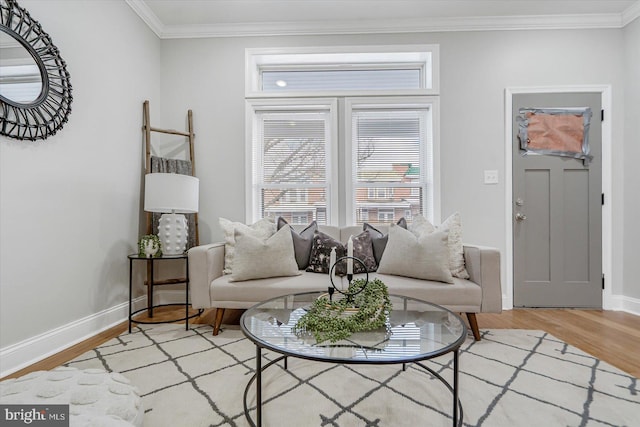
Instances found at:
x=557 y=216
x=576 y=225
x=537 y=232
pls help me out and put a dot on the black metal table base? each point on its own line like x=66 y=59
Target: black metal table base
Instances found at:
x=152 y=283
x=257 y=377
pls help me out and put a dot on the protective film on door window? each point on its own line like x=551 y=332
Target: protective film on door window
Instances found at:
x=555 y=131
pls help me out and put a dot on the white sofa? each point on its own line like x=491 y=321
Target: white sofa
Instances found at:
x=210 y=288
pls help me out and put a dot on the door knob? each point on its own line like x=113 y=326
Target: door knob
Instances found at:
x=520 y=216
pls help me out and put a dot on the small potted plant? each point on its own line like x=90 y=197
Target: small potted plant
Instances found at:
x=149 y=246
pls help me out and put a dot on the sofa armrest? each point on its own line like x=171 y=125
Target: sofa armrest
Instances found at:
x=206 y=263
x=483 y=265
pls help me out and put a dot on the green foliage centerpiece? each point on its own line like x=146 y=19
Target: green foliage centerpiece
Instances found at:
x=336 y=320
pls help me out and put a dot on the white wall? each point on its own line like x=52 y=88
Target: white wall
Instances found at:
x=631 y=179
x=207 y=75
x=69 y=205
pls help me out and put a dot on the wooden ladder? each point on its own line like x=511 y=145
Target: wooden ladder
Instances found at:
x=147 y=128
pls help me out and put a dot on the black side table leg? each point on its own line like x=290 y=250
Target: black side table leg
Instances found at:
x=130 y=289
x=150 y=288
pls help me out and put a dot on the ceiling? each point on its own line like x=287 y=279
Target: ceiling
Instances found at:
x=233 y=18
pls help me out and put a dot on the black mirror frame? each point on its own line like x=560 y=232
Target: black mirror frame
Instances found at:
x=50 y=110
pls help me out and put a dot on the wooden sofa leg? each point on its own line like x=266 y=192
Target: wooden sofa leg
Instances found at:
x=473 y=322
x=218 y=321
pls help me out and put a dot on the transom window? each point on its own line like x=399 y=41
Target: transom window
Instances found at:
x=410 y=69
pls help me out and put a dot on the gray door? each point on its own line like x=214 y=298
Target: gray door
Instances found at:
x=557 y=215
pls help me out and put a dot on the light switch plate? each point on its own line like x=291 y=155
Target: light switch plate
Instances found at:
x=491 y=177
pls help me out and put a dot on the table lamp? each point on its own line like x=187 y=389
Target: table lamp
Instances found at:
x=173 y=195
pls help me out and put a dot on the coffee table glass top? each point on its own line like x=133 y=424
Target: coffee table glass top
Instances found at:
x=416 y=330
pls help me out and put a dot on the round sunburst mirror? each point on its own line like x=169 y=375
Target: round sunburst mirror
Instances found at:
x=35 y=86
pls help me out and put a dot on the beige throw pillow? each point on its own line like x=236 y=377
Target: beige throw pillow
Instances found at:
x=456 y=247
x=420 y=225
x=257 y=258
x=262 y=229
x=425 y=256
x=456 y=250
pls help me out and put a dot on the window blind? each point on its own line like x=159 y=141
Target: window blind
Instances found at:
x=332 y=80
x=390 y=150
x=290 y=163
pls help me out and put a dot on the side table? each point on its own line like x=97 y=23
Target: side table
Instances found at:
x=151 y=282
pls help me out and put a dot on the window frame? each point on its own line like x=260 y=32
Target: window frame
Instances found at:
x=255 y=106
x=431 y=180
x=341 y=203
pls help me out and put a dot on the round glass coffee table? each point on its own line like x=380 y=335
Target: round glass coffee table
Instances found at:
x=416 y=331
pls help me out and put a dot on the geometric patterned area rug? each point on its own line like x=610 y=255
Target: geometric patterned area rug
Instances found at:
x=510 y=378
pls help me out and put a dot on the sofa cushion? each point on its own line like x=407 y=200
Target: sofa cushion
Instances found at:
x=321 y=252
x=258 y=259
x=462 y=295
x=245 y=294
x=425 y=256
x=302 y=241
x=379 y=239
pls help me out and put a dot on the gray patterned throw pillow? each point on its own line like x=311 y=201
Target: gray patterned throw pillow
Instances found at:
x=321 y=252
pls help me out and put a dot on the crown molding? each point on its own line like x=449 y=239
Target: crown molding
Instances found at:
x=148 y=16
x=301 y=28
x=631 y=13
x=542 y=22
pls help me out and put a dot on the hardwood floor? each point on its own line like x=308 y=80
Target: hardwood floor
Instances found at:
x=612 y=336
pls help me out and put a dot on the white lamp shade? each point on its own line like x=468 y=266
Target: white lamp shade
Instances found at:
x=171 y=192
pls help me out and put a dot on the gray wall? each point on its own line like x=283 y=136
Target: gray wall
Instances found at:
x=69 y=206
x=631 y=178
x=207 y=75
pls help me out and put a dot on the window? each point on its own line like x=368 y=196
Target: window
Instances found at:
x=374 y=160
x=406 y=69
x=391 y=143
x=299 y=218
x=290 y=170
x=386 y=215
x=365 y=79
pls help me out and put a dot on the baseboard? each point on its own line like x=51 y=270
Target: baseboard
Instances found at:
x=18 y=356
x=507 y=303
x=615 y=303
x=627 y=304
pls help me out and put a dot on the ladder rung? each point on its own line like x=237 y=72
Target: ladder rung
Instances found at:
x=170 y=131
